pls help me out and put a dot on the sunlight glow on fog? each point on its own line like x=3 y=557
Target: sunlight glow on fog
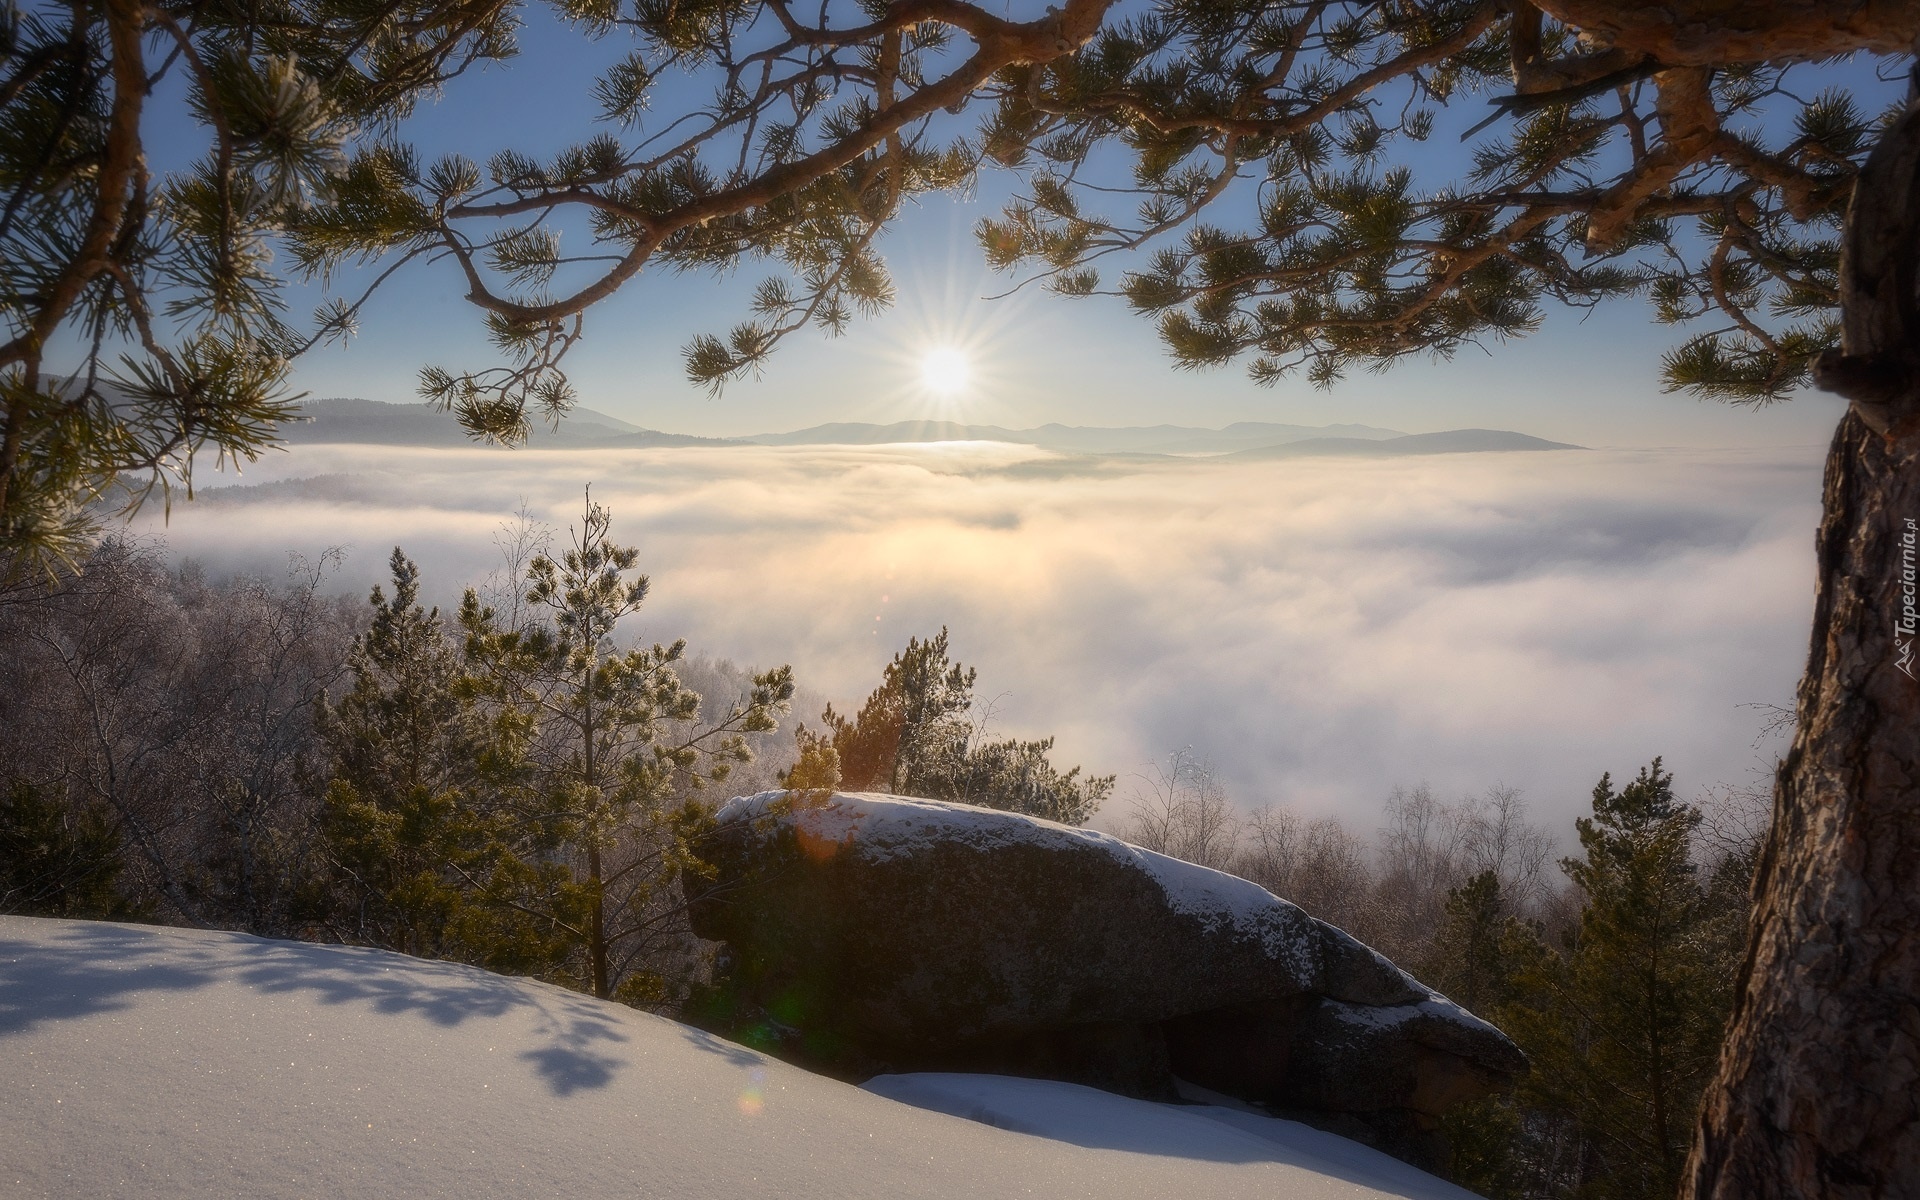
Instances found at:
x=1323 y=629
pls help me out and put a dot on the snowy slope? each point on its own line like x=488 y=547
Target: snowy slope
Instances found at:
x=163 y=1063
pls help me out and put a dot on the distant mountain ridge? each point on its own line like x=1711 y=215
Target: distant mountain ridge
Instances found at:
x=349 y=420
x=352 y=420
x=1075 y=439
x=1451 y=441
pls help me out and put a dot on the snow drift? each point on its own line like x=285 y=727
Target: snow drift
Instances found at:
x=164 y=1063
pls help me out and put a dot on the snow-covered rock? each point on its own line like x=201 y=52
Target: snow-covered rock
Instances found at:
x=870 y=934
x=166 y=1064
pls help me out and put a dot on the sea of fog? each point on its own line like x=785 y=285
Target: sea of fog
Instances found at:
x=1323 y=630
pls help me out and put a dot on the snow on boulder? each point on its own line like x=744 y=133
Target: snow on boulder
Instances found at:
x=869 y=934
x=166 y=1064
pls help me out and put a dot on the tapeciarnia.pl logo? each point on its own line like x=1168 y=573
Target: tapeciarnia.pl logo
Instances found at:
x=1906 y=623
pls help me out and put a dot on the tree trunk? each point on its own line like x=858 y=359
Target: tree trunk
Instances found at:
x=1818 y=1089
x=597 y=953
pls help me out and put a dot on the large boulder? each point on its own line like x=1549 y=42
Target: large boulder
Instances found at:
x=869 y=934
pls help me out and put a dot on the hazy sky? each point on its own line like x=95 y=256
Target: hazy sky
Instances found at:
x=1324 y=630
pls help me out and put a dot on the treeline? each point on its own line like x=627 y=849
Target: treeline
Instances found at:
x=502 y=785
x=505 y=785
x=1612 y=968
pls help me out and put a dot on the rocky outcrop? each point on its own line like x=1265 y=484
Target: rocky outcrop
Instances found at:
x=869 y=934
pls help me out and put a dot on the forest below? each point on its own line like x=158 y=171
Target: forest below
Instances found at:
x=513 y=786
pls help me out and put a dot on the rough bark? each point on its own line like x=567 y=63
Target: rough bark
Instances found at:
x=1714 y=33
x=1818 y=1090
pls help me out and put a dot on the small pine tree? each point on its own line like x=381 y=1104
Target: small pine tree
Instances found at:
x=1472 y=954
x=55 y=862
x=407 y=813
x=1475 y=955
x=817 y=767
x=913 y=726
x=1623 y=1027
x=589 y=746
x=914 y=736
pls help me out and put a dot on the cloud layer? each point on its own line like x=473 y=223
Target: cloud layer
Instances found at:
x=1323 y=630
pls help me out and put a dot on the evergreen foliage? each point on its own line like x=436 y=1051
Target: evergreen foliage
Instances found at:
x=1473 y=958
x=520 y=798
x=915 y=736
x=912 y=727
x=1622 y=1023
x=55 y=862
x=816 y=765
x=411 y=832
x=1285 y=212
x=168 y=286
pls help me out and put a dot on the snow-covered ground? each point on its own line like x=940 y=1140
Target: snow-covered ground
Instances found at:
x=144 y=1062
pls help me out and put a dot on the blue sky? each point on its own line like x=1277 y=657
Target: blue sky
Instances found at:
x=1587 y=378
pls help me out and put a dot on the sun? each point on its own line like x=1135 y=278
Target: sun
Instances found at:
x=944 y=371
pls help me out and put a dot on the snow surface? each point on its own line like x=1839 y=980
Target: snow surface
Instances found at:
x=1229 y=1132
x=879 y=827
x=147 y=1062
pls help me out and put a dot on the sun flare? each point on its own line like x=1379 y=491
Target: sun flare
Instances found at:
x=944 y=371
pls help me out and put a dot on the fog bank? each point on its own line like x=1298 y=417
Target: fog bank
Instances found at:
x=1323 y=630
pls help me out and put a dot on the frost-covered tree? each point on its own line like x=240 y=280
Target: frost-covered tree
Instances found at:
x=1179 y=808
x=179 y=710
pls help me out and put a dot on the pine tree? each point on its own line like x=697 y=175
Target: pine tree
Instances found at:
x=1019 y=776
x=913 y=728
x=410 y=816
x=915 y=736
x=516 y=798
x=142 y=320
x=1624 y=1025
x=586 y=745
x=1473 y=959
x=55 y=862
x=816 y=765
